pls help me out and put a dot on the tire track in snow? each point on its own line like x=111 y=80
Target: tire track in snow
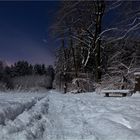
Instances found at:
x=29 y=124
x=15 y=109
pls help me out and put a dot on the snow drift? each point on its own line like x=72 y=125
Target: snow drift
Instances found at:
x=56 y=116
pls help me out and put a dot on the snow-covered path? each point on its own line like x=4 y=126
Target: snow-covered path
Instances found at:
x=92 y=117
x=55 y=116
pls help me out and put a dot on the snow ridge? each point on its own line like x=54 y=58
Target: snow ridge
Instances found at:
x=57 y=116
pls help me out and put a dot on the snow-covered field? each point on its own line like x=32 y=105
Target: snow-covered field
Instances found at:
x=56 y=116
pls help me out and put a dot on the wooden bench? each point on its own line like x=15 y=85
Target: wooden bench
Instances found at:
x=117 y=92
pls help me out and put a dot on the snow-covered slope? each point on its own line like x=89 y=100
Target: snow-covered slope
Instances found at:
x=56 y=116
x=92 y=117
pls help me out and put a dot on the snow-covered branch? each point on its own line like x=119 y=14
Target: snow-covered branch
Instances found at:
x=122 y=37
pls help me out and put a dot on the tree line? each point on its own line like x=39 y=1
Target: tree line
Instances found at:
x=23 y=68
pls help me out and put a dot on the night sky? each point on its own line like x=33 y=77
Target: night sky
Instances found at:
x=24 y=31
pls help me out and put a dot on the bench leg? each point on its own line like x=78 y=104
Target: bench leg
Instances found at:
x=106 y=94
x=124 y=95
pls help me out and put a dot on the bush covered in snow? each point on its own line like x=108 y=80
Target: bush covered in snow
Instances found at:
x=32 y=82
x=83 y=84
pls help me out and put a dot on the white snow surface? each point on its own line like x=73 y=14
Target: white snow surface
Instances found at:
x=56 y=116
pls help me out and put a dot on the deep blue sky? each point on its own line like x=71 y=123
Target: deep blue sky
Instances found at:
x=24 y=30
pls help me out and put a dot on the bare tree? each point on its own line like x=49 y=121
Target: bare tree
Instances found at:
x=82 y=22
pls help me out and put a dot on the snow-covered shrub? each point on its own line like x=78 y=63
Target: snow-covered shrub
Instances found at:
x=2 y=86
x=31 y=82
x=48 y=82
x=117 y=82
x=83 y=85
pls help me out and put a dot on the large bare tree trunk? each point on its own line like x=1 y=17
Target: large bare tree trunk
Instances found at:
x=97 y=41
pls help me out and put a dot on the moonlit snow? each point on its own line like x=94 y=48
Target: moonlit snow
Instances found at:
x=56 y=116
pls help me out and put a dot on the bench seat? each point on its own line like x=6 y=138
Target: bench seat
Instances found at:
x=116 y=92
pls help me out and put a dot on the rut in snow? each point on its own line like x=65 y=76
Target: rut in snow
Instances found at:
x=15 y=109
x=29 y=124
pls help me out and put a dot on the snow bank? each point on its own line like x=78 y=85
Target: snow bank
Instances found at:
x=92 y=117
x=73 y=117
x=25 y=121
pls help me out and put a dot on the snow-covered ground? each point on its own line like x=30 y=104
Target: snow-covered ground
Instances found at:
x=56 y=116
